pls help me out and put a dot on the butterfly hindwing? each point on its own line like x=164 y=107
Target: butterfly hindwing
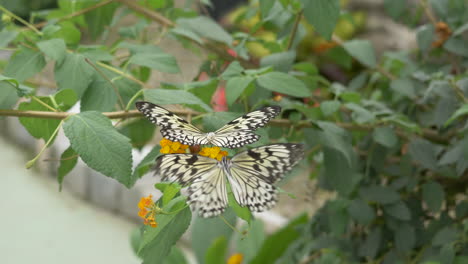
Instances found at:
x=207 y=192
x=253 y=173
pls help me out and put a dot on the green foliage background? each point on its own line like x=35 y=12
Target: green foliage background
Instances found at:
x=391 y=141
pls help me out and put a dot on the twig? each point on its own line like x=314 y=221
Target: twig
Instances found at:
x=24 y=22
x=428 y=12
x=294 y=30
x=116 y=90
x=155 y=16
x=75 y=14
x=130 y=77
x=429 y=134
x=385 y=73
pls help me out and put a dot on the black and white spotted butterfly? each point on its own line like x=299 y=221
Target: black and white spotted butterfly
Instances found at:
x=251 y=175
x=234 y=134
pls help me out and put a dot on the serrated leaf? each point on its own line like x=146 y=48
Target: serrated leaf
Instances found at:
x=99 y=18
x=405 y=238
x=360 y=115
x=68 y=32
x=139 y=131
x=338 y=172
x=206 y=27
x=385 y=136
x=460 y=112
x=323 y=15
x=234 y=69
x=54 y=49
x=74 y=73
x=444 y=236
x=361 y=212
x=24 y=64
x=433 y=194
x=277 y=243
x=362 y=51
x=169 y=191
x=99 y=96
x=157 y=242
x=68 y=160
x=403 y=87
x=398 y=210
x=424 y=152
x=329 y=107
x=8 y=95
x=100 y=146
x=281 y=61
x=379 y=194
x=371 y=245
x=175 y=257
x=164 y=96
x=6 y=36
x=235 y=86
x=283 y=83
x=158 y=61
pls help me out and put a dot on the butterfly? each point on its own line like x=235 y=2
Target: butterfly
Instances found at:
x=234 y=134
x=251 y=175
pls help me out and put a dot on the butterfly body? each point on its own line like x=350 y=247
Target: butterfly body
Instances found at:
x=251 y=175
x=234 y=134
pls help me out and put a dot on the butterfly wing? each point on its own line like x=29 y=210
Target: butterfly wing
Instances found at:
x=253 y=173
x=173 y=127
x=238 y=132
x=207 y=183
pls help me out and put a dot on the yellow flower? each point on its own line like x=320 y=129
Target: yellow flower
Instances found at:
x=148 y=210
x=169 y=147
x=213 y=152
x=235 y=259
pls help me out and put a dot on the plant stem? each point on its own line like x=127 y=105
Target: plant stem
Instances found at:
x=30 y=163
x=24 y=22
x=294 y=30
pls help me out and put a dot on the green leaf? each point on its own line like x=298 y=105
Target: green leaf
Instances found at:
x=433 y=195
x=340 y=218
x=233 y=70
x=216 y=120
x=281 y=61
x=207 y=28
x=139 y=131
x=385 y=136
x=99 y=95
x=445 y=236
x=74 y=73
x=65 y=99
x=169 y=191
x=398 y=210
x=460 y=112
x=158 y=61
x=323 y=15
x=265 y=7
x=379 y=194
x=351 y=97
x=425 y=36
x=404 y=87
x=24 y=64
x=405 y=238
x=276 y=244
x=283 y=83
x=241 y=212
x=329 y=107
x=235 y=86
x=140 y=48
x=207 y=230
x=6 y=37
x=145 y=165
x=457 y=46
x=157 y=242
x=54 y=49
x=68 y=32
x=338 y=172
x=248 y=245
x=68 y=160
x=164 y=96
x=216 y=253
x=99 y=18
x=362 y=51
x=175 y=257
x=371 y=245
x=360 y=115
x=361 y=212
x=8 y=95
x=424 y=152
x=100 y=146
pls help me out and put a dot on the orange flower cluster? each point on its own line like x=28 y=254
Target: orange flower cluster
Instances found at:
x=148 y=210
x=169 y=147
x=235 y=259
x=213 y=152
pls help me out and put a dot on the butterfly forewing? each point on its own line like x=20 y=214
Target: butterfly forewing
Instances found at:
x=234 y=134
x=253 y=173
